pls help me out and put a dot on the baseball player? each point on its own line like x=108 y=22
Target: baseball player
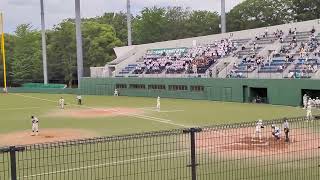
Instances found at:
x=276 y=132
x=309 y=111
x=61 y=103
x=286 y=129
x=258 y=132
x=35 y=126
x=79 y=99
x=305 y=101
x=158 y=103
x=116 y=92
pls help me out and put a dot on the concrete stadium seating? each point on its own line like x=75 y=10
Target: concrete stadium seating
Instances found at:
x=272 y=50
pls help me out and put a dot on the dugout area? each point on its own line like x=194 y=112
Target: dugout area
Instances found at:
x=259 y=95
x=311 y=93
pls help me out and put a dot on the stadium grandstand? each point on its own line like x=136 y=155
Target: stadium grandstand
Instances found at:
x=283 y=51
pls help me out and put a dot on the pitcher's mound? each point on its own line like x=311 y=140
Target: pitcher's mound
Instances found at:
x=45 y=136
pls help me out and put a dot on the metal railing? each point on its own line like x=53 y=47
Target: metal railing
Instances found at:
x=222 y=152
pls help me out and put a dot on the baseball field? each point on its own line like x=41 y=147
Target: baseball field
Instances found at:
x=223 y=153
x=106 y=116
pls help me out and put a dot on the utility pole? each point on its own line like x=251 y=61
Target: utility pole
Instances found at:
x=44 y=44
x=79 y=41
x=129 y=23
x=223 y=16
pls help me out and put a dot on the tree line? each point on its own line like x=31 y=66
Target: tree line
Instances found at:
x=101 y=34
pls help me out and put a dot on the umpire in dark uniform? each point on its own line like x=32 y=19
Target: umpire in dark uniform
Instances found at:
x=286 y=129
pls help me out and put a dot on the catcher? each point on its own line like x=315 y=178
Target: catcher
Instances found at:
x=276 y=132
x=286 y=129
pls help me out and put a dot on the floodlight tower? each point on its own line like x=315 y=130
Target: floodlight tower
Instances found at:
x=79 y=41
x=129 y=23
x=223 y=16
x=44 y=44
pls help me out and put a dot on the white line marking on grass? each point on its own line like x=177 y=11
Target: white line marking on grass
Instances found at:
x=161 y=120
x=121 y=162
x=24 y=108
x=104 y=164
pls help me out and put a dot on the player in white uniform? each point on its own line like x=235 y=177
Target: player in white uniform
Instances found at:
x=79 y=99
x=305 y=101
x=116 y=92
x=158 y=103
x=258 y=132
x=309 y=111
x=35 y=126
x=276 y=132
x=61 y=103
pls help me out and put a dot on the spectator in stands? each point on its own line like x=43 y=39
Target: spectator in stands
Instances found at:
x=313 y=30
x=294 y=39
x=302 y=52
x=266 y=32
x=281 y=38
x=254 y=45
x=217 y=72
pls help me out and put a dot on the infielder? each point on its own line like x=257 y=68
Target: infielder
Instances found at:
x=61 y=103
x=286 y=129
x=309 y=111
x=79 y=99
x=35 y=126
x=158 y=103
x=276 y=132
x=258 y=132
x=305 y=101
x=116 y=93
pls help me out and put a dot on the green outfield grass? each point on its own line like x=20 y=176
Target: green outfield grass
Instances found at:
x=16 y=110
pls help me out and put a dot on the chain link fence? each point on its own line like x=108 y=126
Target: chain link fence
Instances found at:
x=223 y=152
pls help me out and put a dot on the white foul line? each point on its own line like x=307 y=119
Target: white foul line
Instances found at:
x=155 y=110
x=161 y=120
x=9 y=109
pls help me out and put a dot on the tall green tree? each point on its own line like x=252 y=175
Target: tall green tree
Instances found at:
x=303 y=10
x=201 y=23
x=27 y=64
x=9 y=47
x=162 y=24
x=99 y=41
x=150 y=26
x=259 y=13
x=118 y=21
x=62 y=52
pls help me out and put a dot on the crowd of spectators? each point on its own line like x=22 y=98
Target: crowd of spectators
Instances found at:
x=198 y=59
x=193 y=60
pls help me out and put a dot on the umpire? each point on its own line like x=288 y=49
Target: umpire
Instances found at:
x=286 y=129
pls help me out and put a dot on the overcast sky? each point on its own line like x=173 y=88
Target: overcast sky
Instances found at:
x=28 y=11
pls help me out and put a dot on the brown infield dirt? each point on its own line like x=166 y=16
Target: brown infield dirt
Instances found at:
x=96 y=112
x=241 y=143
x=45 y=136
